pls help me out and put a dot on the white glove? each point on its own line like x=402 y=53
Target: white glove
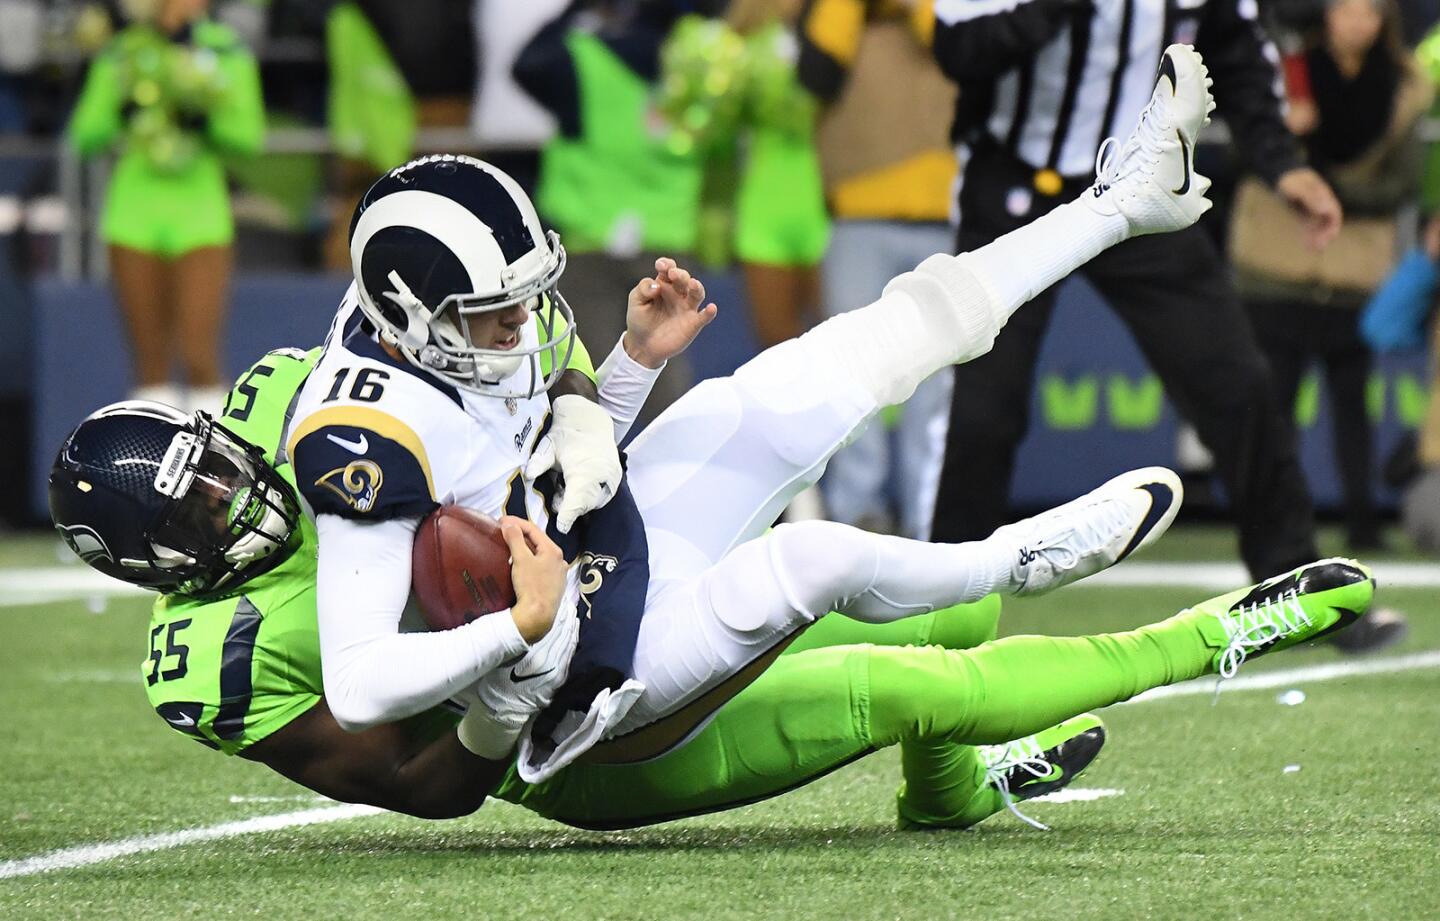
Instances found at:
x=510 y=696
x=581 y=444
x=577 y=732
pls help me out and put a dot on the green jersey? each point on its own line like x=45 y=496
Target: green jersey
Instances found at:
x=230 y=671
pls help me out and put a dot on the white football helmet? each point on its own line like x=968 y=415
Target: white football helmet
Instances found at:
x=446 y=237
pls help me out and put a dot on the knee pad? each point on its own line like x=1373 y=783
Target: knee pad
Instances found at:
x=937 y=315
x=955 y=304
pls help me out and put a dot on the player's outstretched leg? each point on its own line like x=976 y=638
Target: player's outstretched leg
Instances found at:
x=1023 y=684
x=762 y=435
x=820 y=566
x=959 y=626
x=819 y=710
x=937 y=703
x=712 y=630
x=950 y=308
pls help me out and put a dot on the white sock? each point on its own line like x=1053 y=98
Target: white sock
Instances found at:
x=1024 y=262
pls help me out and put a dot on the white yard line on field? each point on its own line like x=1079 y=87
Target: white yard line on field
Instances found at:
x=1222 y=576
x=1289 y=677
x=86 y=855
x=41 y=584
x=1078 y=795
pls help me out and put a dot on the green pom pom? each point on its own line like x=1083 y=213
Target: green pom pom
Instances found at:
x=701 y=85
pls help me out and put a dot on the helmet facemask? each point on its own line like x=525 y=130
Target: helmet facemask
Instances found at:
x=230 y=515
x=438 y=340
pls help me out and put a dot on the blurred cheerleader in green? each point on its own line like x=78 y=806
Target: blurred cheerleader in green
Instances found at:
x=736 y=79
x=175 y=93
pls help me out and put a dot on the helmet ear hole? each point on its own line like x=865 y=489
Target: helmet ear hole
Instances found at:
x=393 y=313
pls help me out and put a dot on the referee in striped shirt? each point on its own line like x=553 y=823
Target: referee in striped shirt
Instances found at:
x=1042 y=84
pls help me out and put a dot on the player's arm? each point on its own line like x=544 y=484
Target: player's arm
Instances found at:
x=383 y=766
x=366 y=475
x=663 y=316
x=982 y=39
x=373 y=673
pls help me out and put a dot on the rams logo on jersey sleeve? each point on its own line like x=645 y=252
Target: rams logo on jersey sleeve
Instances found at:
x=357 y=483
x=361 y=463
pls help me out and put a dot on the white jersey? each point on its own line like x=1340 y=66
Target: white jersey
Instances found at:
x=374 y=438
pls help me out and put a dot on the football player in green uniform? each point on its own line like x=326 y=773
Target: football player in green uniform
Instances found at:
x=205 y=512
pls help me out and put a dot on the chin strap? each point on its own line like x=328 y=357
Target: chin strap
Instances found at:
x=417 y=315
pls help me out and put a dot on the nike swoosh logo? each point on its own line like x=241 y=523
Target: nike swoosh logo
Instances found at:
x=1167 y=69
x=1185 y=160
x=363 y=445
x=1056 y=772
x=184 y=720
x=1161 y=498
x=517 y=677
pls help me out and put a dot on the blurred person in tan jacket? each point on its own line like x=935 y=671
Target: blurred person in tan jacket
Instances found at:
x=889 y=173
x=1368 y=98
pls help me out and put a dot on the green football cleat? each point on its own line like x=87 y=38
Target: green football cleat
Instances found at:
x=1042 y=763
x=1304 y=604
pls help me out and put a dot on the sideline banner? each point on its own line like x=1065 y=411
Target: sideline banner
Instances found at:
x=1098 y=410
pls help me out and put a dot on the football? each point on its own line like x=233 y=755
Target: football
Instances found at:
x=460 y=567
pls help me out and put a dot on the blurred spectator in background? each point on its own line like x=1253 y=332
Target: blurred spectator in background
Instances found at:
x=396 y=66
x=889 y=171
x=1360 y=129
x=507 y=122
x=619 y=193
x=1399 y=323
x=176 y=92
x=781 y=227
x=1420 y=504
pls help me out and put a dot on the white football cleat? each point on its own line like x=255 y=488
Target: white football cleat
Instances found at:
x=1150 y=178
x=1093 y=532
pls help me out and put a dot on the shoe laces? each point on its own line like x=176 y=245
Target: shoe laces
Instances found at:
x=1113 y=157
x=1257 y=625
x=1093 y=527
x=1000 y=760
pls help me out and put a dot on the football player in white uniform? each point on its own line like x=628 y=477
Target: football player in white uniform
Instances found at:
x=451 y=376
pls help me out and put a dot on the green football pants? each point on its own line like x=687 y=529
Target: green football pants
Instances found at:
x=818 y=709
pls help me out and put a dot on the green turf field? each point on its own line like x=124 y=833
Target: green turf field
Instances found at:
x=1209 y=825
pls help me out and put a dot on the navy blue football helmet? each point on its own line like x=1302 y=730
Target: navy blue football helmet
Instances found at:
x=174 y=503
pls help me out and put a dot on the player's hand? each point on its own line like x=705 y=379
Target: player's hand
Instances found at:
x=581 y=444
x=512 y=694
x=664 y=314
x=537 y=570
x=1311 y=196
